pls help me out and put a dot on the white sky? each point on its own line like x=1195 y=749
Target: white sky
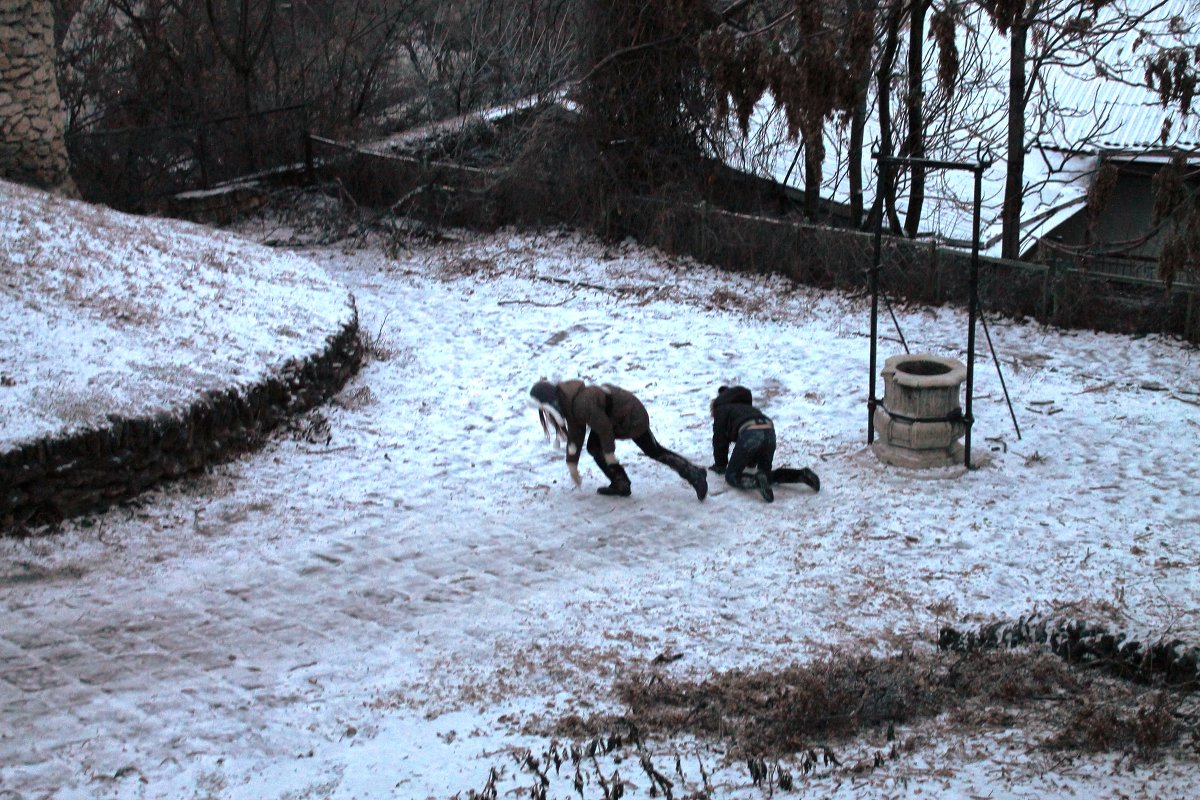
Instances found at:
x=383 y=615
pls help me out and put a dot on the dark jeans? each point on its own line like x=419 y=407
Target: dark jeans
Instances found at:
x=754 y=448
x=646 y=443
x=650 y=446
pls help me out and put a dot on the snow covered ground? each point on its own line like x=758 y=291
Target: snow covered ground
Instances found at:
x=402 y=609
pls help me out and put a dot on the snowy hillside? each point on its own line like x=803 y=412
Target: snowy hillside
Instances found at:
x=92 y=302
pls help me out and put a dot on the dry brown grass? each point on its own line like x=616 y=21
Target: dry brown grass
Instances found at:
x=459 y=268
x=1143 y=727
x=796 y=708
x=726 y=300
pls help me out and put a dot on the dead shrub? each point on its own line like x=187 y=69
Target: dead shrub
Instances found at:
x=783 y=711
x=1011 y=677
x=375 y=346
x=1103 y=724
x=478 y=268
x=312 y=427
x=788 y=710
x=725 y=300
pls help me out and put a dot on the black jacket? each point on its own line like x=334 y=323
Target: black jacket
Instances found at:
x=732 y=408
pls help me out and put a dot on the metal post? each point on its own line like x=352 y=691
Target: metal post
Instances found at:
x=310 y=171
x=973 y=306
x=874 y=281
x=1189 y=332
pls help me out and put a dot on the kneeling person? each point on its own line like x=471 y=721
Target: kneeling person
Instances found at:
x=752 y=433
x=570 y=408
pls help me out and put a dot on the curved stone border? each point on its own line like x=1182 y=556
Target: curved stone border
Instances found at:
x=1170 y=661
x=45 y=481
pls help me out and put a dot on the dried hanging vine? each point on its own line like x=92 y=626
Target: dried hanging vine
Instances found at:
x=1177 y=211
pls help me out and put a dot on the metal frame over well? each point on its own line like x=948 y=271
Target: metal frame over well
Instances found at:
x=887 y=163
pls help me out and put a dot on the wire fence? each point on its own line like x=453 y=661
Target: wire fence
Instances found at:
x=1124 y=298
x=1101 y=294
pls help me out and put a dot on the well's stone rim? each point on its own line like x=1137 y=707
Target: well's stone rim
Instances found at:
x=956 y=371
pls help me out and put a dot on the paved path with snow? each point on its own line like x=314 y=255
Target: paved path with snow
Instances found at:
x=367 y=617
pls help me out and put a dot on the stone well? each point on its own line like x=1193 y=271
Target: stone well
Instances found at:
x=920 y=419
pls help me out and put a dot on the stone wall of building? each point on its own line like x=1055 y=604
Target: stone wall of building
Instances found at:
x=32 y=148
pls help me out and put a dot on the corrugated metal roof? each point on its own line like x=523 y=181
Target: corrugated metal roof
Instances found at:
x=1120 y=112
x=1110 y=115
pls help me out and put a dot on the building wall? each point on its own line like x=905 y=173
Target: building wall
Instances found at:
x=1127 y=217
x=32 y=149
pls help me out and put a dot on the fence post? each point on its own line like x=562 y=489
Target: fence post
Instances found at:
x=1190 y=324
x=202 y=146
x=1048 y=290
x=309 y=170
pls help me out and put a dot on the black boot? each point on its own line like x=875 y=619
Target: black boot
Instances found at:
x=619 y=486
x=790 y=475
x=764 y=486
x=696 y=476
x=757 y=480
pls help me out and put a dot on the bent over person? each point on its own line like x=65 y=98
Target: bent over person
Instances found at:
x=571 y=408
x=752 y=433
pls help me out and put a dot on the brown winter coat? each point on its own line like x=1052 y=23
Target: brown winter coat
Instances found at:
x=610 y=411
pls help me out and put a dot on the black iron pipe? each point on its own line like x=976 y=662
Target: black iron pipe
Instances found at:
x=973 y=306
x=874 y=283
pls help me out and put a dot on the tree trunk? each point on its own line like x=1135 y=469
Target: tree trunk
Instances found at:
x=858 y=124
x=814 y=155
x=1010 y=215
x=858 y=118
x=914 y=144
x=885 y=189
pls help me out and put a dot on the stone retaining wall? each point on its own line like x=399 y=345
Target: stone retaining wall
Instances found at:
x=32 y=148
x=1169 y=661
x=46 y=481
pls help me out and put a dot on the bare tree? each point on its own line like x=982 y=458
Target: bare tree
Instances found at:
x=885 y=61
x=811 y=56
x=1043 y=33
x=482 y=52
x=358 y=65
x=647 y=105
